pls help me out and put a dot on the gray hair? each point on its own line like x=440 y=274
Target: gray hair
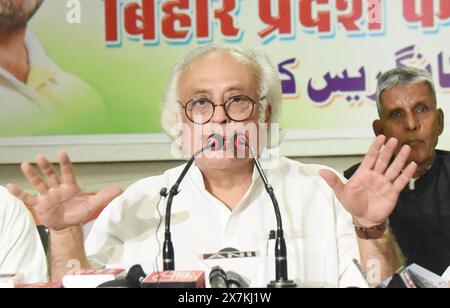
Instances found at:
x=269 y=84
x=403 y=76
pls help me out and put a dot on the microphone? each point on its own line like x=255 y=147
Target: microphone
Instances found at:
x=135 y=276
x=218 y=278
x=281 y=270
x=133 y=279
x=215 y=142
x=234 y=280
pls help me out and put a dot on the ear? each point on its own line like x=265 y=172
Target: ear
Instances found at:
x=377 y=127
x=440 y=119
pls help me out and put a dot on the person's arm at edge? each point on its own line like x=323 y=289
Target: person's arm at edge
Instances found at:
x=66 y=252
x=380 y=258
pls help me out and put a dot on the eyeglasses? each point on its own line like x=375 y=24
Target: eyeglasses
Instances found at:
x=201 y=110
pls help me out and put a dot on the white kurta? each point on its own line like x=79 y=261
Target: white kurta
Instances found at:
x=321 y=242
x=21 y=249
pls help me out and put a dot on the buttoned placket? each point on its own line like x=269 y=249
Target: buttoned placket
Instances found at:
x=229 y=220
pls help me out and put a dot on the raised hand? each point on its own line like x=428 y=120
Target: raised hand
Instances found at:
x=372 y=192
x=61 y=203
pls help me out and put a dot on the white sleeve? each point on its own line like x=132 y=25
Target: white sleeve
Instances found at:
x=349 y=274
x=107 y=240
x=21 y=248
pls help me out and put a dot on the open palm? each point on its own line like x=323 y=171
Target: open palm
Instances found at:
x=61 y=202
x=372 y=192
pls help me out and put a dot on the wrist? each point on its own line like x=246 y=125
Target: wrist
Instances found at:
x=66 y=231
x=370 y=231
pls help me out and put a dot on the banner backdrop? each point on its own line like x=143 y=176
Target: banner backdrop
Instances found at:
x=113 y=59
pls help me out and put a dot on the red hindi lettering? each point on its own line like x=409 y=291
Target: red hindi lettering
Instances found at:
x=145 y=24
x=111 y=21
x=171 y=18
x=227 y=27
x=281 y=22
x=444 y=9
x=425 y=16
x=349 y=20
x=322 y=22
x=202 y=19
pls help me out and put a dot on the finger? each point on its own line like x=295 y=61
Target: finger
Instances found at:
x=404 y=178
x=67 y=172
x=333 y=181
x=33 y=178
x=372 y=154
x=20 y=194
x=48 y=170
x=384 y=158
x=398 y=164
x=103 y=197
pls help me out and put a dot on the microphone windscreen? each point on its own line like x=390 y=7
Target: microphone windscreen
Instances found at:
x=229 y=249
x=217 y=142
x=240 y=141
x=118 y=283
x=234 y=280
x=135 y=275
x=217 y=278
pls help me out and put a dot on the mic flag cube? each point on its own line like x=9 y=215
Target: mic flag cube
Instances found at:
x=175 y=279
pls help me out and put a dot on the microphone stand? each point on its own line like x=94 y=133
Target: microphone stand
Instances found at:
x=281 y=270
x=168 y=251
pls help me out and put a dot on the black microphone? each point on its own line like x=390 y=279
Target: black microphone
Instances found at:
x=133 y=279
x=215 y=142
x=218 y=278
x=234 y=280
x=281 y=269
